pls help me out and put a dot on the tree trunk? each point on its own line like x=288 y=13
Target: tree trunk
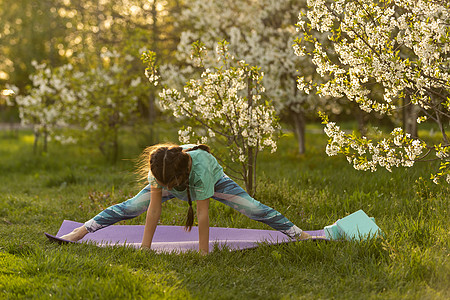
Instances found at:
x=361 y=120
x=45 y=140
x=114 y=126
x=151 y=107
x=115 y=147
x=410 y=114
x=299 y=124
x=440 y=123
x=249 y=180
x=35 y=143
x=250 y=158
x=154 y=45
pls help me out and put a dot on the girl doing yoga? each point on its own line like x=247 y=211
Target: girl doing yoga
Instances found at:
x=190 y=173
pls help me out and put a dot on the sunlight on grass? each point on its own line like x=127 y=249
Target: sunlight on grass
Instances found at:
x=28 y=139
x=312 y=190
x=36 y=277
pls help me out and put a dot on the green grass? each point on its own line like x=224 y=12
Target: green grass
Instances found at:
x=74 y=182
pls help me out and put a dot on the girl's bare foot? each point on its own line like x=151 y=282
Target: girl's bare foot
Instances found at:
x=303 y=236
x=76 y=235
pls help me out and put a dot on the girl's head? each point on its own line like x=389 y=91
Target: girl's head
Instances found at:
x=171 y=166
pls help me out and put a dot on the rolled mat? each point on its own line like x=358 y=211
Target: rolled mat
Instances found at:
x=176 y=239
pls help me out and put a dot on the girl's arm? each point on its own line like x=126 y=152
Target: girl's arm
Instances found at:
x=203 y=225
x=153 y=214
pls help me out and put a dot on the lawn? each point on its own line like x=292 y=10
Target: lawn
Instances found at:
x=39 y=191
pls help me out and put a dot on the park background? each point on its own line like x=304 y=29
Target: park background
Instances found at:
x=77 y=108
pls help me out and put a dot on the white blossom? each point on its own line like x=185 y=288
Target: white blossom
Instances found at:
x=403 y=46
x=218 y=104
x=66 y=96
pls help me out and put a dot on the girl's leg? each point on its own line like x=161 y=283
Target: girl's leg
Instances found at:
x=128 y=209
x=230 y=193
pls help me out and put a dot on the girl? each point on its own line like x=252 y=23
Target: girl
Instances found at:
x=187 y=172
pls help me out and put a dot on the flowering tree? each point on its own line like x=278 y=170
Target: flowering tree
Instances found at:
x=261 y=33
x=109 y=101
x=43 y=108
x=100 y=101
x=225 y=104
x=402 y=48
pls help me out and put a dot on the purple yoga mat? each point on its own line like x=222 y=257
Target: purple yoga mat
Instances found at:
x=176 y=239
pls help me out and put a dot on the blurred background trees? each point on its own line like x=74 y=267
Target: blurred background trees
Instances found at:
x=110 y=90
x=57 y=32
x=388 y=57
x=81 y=35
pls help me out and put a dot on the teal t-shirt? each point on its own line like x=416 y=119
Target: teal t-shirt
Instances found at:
x=205 y=172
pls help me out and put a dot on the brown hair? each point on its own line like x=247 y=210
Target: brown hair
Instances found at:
x=170 y=165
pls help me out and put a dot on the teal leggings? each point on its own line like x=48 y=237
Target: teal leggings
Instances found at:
x=225 y=190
